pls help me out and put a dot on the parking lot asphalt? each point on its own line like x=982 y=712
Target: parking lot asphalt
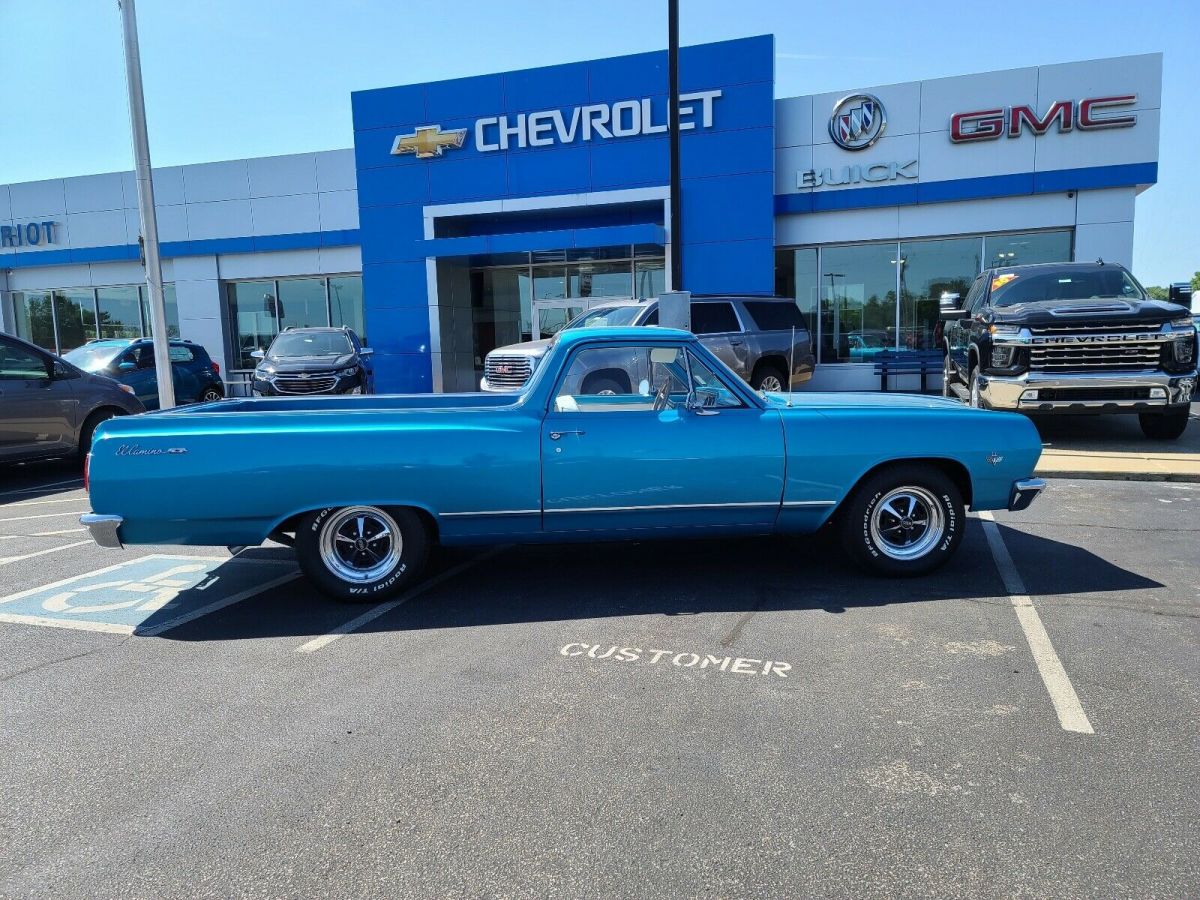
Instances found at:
x=722 y=718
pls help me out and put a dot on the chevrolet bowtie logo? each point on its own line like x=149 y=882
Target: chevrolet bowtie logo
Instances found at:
x=429 y=141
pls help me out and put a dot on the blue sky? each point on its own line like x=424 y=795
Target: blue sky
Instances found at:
x=235 y=78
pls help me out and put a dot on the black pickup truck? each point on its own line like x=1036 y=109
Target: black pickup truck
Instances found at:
x=1069 y=338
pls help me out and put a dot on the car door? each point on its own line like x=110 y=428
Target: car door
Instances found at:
x=644 y=460
x=135 y=367
x=958 y=331
x=183 y=370
x=37 y=410
x=717 y=325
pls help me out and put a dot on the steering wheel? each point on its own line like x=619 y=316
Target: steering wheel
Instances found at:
x=662 y=396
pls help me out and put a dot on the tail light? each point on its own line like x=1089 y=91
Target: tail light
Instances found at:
x=216 y=367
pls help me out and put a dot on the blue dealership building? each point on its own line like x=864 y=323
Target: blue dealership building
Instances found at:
x=483 y=211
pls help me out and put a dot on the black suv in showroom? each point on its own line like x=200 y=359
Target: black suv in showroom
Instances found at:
x=304 y=361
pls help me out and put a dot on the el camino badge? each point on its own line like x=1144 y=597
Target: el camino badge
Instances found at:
x=138 y=450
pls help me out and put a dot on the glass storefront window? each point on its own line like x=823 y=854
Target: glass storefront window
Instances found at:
x=171 y=306
x=346 y=304
x=1031 y=247
x=927 y=268
x=858 y=302
x=796 y=277
x=600 y=280
x=120 y=311
x=549 y=283
x=301 y=303
x=649 y=277
x=75 y=310
x=33 y=318
x=254 y=319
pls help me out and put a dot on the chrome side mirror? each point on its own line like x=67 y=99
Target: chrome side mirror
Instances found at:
x=257 y=354
x=701 y=402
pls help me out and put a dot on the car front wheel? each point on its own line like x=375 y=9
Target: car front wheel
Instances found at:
x=904 y=520
x=1164 y=426
x=362 y=554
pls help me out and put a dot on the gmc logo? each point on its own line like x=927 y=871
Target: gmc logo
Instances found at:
x=1092 y=114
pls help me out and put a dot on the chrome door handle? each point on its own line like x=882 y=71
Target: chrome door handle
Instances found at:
x=555 y=435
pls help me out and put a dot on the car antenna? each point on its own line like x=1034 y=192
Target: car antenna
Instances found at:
x=791 y=365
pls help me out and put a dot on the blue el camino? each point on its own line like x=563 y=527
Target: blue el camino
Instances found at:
x=363 y=486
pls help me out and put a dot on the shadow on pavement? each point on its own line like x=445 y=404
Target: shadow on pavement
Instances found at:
x=588 y=581
x=53 y=476
x=1117 y=433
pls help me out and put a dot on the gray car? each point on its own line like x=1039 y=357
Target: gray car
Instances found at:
x=48 y=407
x=751 y=335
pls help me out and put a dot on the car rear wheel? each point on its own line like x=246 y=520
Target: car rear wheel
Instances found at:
x=211 y=395
x=768 y=378
x=1164 y=426
x=88 y=431
x=904 y=520
x=362 y=554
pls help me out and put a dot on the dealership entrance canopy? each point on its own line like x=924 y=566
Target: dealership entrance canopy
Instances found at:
x=484 y=211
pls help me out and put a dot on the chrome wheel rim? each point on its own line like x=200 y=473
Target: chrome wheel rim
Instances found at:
x=975 y=390
x=210 y=396
x=946 y=376
x=907 y=523
x=770 y=383
x=361 y=544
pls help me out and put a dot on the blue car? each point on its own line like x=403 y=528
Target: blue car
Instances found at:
x=363 y=486
x=131 y=361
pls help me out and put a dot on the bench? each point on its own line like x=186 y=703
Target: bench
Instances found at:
x=907 y=362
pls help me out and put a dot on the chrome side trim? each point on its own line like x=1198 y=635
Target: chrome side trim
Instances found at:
x=103 y=529
x=492 y=512
x=800 y=504
x=585 y=509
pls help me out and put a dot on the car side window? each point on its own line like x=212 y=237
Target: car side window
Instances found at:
x=181 y=354
x=624 y=379
x=714 y=318
x=972 y=299
x=19 y=364
x=710 y=390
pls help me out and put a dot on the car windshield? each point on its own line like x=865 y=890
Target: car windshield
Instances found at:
x=606 y=317
x=1013 y=286
x=94 y=357
x=329 y=343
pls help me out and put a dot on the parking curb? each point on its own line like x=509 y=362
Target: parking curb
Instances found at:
x=1179 y=477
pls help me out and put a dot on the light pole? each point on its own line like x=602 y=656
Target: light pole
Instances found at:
x=145 y=189
x=673 y=135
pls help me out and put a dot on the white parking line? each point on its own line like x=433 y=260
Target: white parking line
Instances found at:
x=77 y=512
x=5 y=560
x=53 y=533
x=42 y=502
x=375 y=612
x=1062 y=694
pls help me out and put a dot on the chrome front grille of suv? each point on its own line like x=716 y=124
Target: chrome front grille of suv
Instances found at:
x=507 y=371
x=1097 y=348
x=320 y=384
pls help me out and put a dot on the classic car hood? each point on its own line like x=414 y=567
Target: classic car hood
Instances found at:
x=1107 y=311
x=311 y=363
x=528 y=348
x=856 y=400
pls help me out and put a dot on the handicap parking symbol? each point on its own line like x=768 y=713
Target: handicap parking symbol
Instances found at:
x=144 y=596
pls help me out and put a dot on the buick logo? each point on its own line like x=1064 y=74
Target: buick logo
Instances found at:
x=858 y=121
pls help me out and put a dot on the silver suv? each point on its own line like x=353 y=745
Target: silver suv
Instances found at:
x=752 y=335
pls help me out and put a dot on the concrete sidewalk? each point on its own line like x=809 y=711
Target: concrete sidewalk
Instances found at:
x=1113 y=447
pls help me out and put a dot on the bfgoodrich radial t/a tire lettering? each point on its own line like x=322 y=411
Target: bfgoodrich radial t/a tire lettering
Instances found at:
x=362 y=554
x=906 y=519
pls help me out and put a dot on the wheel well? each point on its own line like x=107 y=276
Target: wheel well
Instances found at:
x=99 y=410
x=620 y=376
x=291 y=523
x=951 y=468
x=773 y=362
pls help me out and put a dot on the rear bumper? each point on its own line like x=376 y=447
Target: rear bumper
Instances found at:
x=103 y=529
x=1087 y=392
x=1024 y=492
